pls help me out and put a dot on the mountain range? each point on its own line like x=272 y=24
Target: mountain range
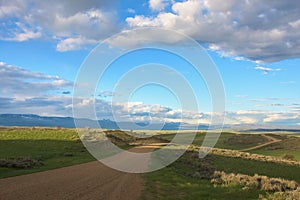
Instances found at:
x=68 y=122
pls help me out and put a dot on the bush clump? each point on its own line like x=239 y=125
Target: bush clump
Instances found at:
x=288 y=157
x=249 y=156
x=260 y=182
x=289 y=195
x=200 y=168
x=21 y=163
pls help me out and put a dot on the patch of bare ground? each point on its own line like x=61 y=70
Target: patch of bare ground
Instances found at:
x=85 y=181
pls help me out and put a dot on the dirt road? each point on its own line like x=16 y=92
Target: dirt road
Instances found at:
x=271 y=141
x=86 y=181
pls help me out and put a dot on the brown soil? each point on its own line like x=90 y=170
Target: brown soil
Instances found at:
x=85 y=181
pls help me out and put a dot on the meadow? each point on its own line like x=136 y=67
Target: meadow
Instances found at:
x=53 y=147
x=187 y=178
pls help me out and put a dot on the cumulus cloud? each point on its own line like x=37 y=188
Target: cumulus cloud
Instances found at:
x=72 y=24
x=257 y=30
x=70 y=44
x=45 y=106
x=25 y=33
x=262 y=31
x=20 y=82
x=284 y=118
x=157 y=5
x=137 y=111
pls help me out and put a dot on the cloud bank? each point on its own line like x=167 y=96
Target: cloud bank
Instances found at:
x=26 y=92
x=19 y=82
x=261 y=31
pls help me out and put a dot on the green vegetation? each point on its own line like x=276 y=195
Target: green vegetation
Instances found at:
x=28 y=150
x=53 y=147
x=226 y=140
x=289 y=146
x=244 y=141
x=252 y=167
x=190 y=178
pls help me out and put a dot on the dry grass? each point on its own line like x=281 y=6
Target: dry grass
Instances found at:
x=246 y=140
x=291 y=143
x=289 y=195
x=249 y=156
x=260 y=182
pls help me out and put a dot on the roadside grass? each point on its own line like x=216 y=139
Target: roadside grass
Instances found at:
x=167 y=184
x=290 y=145
x=186 y=179
x=251 y=167
x=178 y=182
x=277 y=153
x=54 y=147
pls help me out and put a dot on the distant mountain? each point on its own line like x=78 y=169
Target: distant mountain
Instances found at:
x=68 y=122
x=35 y=120
x=262 y=128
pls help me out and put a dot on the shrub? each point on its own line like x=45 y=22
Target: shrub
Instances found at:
x=260 y=182
x=288 y=157
x=21 y=163
x=248 y=156
x=289 y=195
x=202 y=168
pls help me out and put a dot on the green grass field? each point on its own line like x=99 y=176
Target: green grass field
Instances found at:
x=62 y=147
x=226 y=140
x=55 y=147
x=176 y=178
x=289 y=145
x=170 y=184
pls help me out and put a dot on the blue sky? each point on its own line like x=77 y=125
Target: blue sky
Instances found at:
x=255 y=46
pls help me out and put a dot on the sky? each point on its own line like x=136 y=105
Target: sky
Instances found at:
x=255 y=46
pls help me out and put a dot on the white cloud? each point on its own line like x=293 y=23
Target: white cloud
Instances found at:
x=64 y=21
x=25 y=91
x=130 y=10
x=23 y=34
x=71 y=44
x=19 y=82
x=157 y=5
x=291 y=117
x=11 y=7
x=252 y=29
x=287 y=82
x=266 y=70
x=246 y=120
x=137 y=111
x=257 y=30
